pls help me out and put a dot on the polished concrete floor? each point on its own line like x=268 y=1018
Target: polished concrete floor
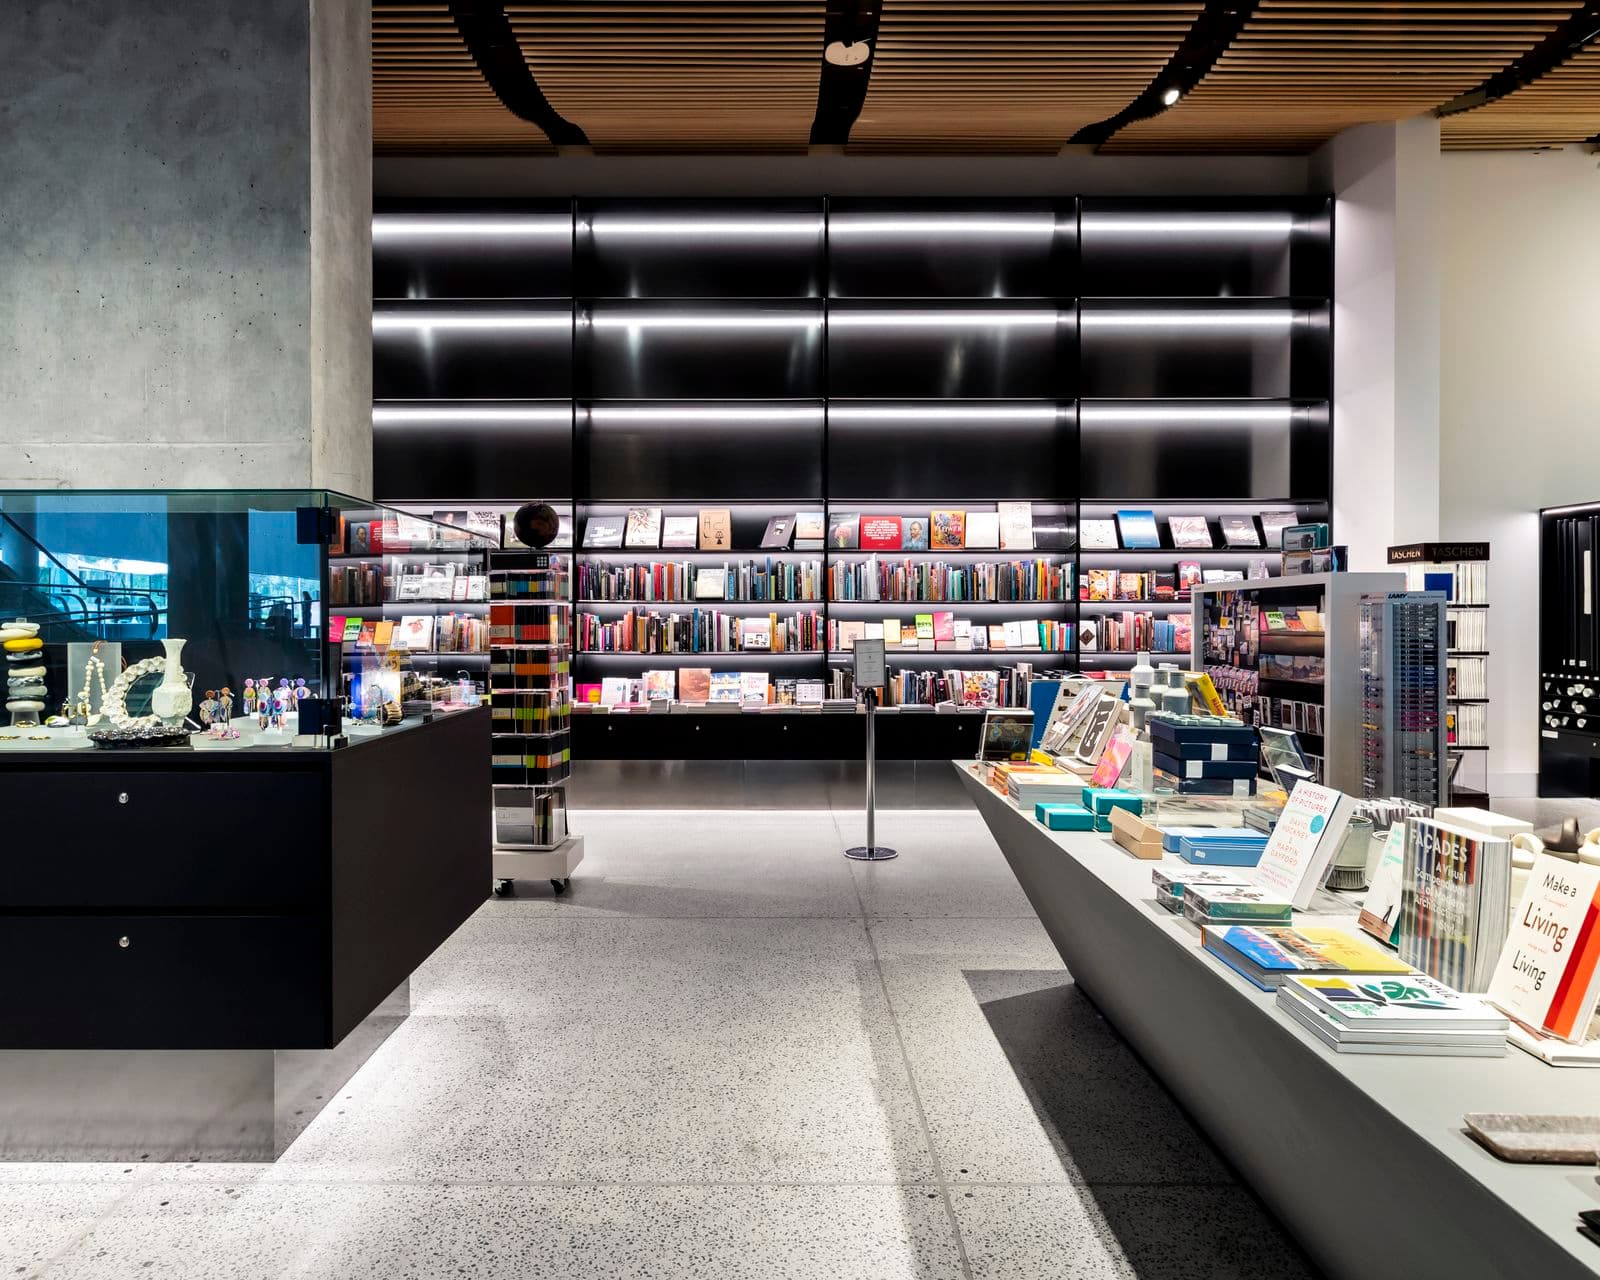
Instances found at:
x=729 y=1053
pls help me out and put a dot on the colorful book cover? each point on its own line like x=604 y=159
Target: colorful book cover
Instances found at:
x=1131 y=586
x=1303 y=842
x=383 y=633
x=588 y=694
x=755 y=633
x=726 y=686
x=844 y=531
x=924 y=625
x=1549 y=968
x=694 y=684
x=947 y=530
x=660 y=686
x=336 y=629
x=1114 y=759
x=1410 y=1001
x=753 y=687
x=943 y=626
x=980 y=688
x=1279 y=952
x=915 y=534
x=1138 y=529
x=880 y=533
x=1188 y=576
x=1380 y=910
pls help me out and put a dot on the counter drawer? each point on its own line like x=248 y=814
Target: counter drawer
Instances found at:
x=179 y=982
x=149 y=839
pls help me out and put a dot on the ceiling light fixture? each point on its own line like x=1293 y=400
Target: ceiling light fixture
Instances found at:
x=397 y=414
x=386 y=227
x=1272 y=415
x=646 y=228
x=1200 y=225
x=624 y=320
x=1171 y=95
x=1187 y=319
x=708 y=413
x=1022 y=228
x=941 y=412
x=387 y=321
x=942 y=319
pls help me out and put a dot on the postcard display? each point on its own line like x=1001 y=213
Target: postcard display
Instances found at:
x=530 y=683
x=782 y=424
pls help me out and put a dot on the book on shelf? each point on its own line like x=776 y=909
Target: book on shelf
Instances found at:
x=810 y=530
x=1454 y=903
x=680 y=532
x=1098 y=586
x=983 y=531
x=711 y=582
x=1190 y=531
x=604 y=531
x=778 y=532
x=1273 y=523
x=943 y=626
x=808 y=693
x=1130 y=586
x=694 y=684
x=914 y=536
x=923 y=623
x=1138 y=529
x=980 y=689
x=415 y=632
x=1307 y=834
x=613 y=689
x=755 y=633
x=1212 y=576
x=716 y=529
x=1240 y=531
x=880 y=533
x=753 y=687
x=726 y=686
x=844 y=531
x=892 y=632
x=660 y=686
x=1016 y=525
x=947 y=530
x=383 y=633
x=1098 y=535
x=1547 y=974
x=644 y=527
x=1269 y=955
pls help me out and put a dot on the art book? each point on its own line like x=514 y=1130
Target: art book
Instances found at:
x=810 y=530
x=947 y=530
x=716 y=529
x=603 y=531
x=755 y=633
x=1269 y=955
x=1016 y=525
x=915 y=534
x=1273 y=523
x=1114 y=759
x=844 y=531
x=682 y=532
x=726 y=686
x=779 y=529
x=414 y=632
x=983 y=530
x=1303 y=842
x=660 y=686
x=944 y=628
x=752 y=687
x=1240 y=531
x=1548 y=975
x=1138 y=529
x=1098 y=535
x=1380 y=911
x=981 y=689
x=1190 y=531
x=694 y=684
x=711 y=582
x=880 y=533
x=1455 y=903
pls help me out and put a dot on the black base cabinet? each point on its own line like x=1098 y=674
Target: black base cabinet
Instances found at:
x=260 y=899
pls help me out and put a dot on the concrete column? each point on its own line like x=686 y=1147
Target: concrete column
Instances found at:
x=185 y=256
x=1385 y=179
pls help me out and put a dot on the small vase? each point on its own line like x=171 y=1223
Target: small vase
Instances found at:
x=172 y=698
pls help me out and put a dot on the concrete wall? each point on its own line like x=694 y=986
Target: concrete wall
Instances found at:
x=164 y=320
x=1520 y=395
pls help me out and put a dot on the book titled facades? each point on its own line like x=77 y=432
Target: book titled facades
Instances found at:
x=1304 y=840
x=1548 y=975
x=1138 y=529
x=1016 y=525
x=1190 y=531
x=682 y=532
x=716 y=529
x=644 y=527
x=844 y=531
x=880 y=533
x=947 y=530
x=1455 y=902
x=603 y=531
x=779 y=531
x=983 y=530
x=1098 y=535
x=810 y=530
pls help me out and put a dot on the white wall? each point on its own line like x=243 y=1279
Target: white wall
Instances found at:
x=1520 y=395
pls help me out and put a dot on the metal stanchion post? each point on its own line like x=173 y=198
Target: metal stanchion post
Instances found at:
x=869 y=653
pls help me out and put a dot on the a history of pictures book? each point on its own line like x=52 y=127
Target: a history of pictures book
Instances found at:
x=681 y=532
x=844 y=531
x=1548 y=973
x=1303 y=842
x=644 y=527
x=716 y=529
x=1138 y=529
x=603 y=531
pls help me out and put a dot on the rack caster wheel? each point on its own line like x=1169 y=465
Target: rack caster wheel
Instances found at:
x=504 y=888
x=560 y=886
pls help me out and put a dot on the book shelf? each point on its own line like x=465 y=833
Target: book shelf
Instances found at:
x=861 y=357
x=1461 y=571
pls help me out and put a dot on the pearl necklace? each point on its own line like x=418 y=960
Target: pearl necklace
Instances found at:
x=92 y=669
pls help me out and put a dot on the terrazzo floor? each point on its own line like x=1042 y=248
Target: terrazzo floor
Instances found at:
x=728 y=1053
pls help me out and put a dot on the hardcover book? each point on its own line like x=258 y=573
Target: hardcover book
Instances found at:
x=779 y=530
x=1303 y=842
x=681 y=532
x=1098 y=535
x=1016 y=526
x=1273 y=523
x=1268 y=956
x=414 y=632
x=755 y=633
x=660 y=686
x=1412 y=1002
x=711 y=583
x=1380 y=910
x=1190 y=531
x=1454 y=902
x=1548 y=975
x=613 y=689
x=336 y=629
x=694 y=684
x=726 y=686
x=1240 y=531
x=880 y=533
x=924 y=623
x=943 y=626
x=716 y=529
x=915 y=535
x=982 y=689
x=644 y=527
x=983 y=530
x=947 y=530
x=1138 y=529
x=753 y=687
x=603 y=531
x=810 y=530
x=1188 y=576
x=844 y=531
x=1114 y=759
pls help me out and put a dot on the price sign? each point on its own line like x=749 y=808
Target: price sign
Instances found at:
x=871 y=665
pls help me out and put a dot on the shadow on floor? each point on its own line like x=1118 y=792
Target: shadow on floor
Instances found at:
x=1167 y=1197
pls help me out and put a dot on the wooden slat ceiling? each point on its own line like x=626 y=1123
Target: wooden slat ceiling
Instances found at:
x=954 y=76
x=1559 y=107
x=678 y=75
x=1302 y=70
x=428 y=96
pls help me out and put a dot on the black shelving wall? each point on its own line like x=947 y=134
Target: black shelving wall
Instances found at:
x=862 y=355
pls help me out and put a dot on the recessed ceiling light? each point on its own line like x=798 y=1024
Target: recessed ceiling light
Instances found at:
x=1169 y=96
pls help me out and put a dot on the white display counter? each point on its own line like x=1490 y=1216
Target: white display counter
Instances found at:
x=1365 y=1158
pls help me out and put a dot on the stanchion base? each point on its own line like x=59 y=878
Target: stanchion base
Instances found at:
x=871 y=853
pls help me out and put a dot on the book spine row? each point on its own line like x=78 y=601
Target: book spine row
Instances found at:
x=698 y=631
x=1131 y=632
x=911 y=581
x=1005 y=687
x=789 y=581
x=943 y=635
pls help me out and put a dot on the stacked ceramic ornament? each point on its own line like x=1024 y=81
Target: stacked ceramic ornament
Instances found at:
x=25 y=670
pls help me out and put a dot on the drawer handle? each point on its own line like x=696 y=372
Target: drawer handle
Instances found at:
x=123 y=941
x=122 y=797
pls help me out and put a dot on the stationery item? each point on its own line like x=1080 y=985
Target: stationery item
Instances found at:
x=880 y=533
x=716 y=529
x=1138 y=529
x=1016 y=526
x=844 y=531
x=779 y=531
x=644 y=527
x=1548 y=971
x=1063 y=817
x=983 y=530
x=947 y=530
x=681 y=532
x=1137 y=836
x=1303 y=842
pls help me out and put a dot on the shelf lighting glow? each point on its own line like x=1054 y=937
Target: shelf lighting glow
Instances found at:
x=710 y=413
x=946 y=413
x=944 y=319
x=385 y=227
x=1187 y=319
x=388 y=321
x=689 y=228
x=1195 y=225
x=399 y=414
x=1265 y=415
x=1013 y=228
x=724 y=320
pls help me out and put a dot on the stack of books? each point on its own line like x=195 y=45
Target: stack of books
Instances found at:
x=1172 y=882
x=1234 y=904
x=1043 y=786
x=1269 y=956
x=1412 y=1014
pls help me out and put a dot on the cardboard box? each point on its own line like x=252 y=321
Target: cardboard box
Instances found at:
x=1137 y=836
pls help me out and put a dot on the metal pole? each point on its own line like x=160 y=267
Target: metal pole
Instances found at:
x=871 y=851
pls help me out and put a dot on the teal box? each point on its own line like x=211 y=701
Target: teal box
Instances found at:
x=1064 y=817
x=1102 y=802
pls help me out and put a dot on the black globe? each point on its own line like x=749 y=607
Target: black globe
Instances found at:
x=536 y=524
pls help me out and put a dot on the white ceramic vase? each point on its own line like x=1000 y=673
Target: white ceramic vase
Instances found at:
x=172 y=698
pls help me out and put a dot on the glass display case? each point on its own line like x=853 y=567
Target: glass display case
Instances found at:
x=226 y=619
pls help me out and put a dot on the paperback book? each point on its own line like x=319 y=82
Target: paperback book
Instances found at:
x=1303 y=842
x=1548 y=973
x=1240 y=531
x=1268 y=956
x=1454 y=902
x=1016 y=526
x=880 y=533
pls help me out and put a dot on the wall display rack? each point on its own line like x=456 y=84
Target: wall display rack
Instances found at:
x=873 y=362
x=1569 y=651
x=1404 y=710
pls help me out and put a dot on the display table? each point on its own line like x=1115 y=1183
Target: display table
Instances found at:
x=1364 y=1158
x=196 y=935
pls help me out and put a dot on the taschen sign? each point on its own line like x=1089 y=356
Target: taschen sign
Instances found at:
x=1438 y=552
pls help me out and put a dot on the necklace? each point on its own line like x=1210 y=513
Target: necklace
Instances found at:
x=94 y=668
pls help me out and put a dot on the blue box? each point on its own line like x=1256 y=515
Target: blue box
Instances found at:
x=1220 y=853
x=1064 y=817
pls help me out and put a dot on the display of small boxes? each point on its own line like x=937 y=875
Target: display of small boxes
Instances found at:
x=1063 y=817
x=1170 y=883
x=1170 y=836
x=1211 y=904
x=1134 y=834
x=1101 y=801
x=1222 y=852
